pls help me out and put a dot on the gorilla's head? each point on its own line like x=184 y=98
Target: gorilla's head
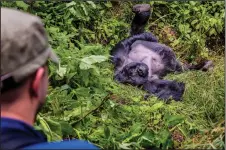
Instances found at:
x=133 y=73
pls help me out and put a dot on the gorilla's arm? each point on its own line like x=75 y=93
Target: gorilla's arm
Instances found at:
x=122 y=49
x=164 y=89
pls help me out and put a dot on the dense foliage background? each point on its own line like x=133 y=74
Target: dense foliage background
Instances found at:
x=85 y=103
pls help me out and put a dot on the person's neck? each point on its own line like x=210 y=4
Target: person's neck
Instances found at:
x=17 y=117
x=21 y=110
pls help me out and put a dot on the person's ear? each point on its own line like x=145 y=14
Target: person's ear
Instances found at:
x=36 y=83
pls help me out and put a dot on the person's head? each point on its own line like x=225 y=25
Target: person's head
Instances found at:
x=24 y=64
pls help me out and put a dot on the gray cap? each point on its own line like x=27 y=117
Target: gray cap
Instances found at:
x=24 y=44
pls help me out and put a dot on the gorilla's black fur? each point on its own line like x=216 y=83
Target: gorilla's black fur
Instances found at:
x=140 y=60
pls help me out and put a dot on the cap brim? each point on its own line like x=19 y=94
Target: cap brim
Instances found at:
x=53 y=57
x=30 y=66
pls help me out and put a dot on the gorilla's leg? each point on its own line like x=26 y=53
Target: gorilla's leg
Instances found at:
x=203 y=66
x=142 y=15
x=165 y=89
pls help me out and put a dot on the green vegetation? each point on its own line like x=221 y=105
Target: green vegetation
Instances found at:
x=85 y=103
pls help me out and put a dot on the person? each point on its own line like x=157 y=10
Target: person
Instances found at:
x=25 y=53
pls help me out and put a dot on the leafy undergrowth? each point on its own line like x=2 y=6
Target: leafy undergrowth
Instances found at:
x=85 y=103
x=116 y=116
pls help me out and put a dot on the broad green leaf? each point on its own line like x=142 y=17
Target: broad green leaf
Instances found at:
x=70 y=76
x=72 y=3
x=193 y=3
x=112 y=104
x=61 y=71
x=212 y=32
x=161 y=24
x=174 y=5
x=85 y=77
x=104 y=117
x=186 y=12
x=65 y=87
x=173 y=120
x=54 y=126
x=84 y=9
x=76 y=112
x=136 y=128
x=194 y=22
x=197 y=26
x=157 y=14
x=66 y=128
x=204 y=54
x=92 y=4
x=181 y=27
x=86 y=63
x=82 y=91
x=108 y=4
x=163 y=135
x=216 y=15
x=175 y=42
x=22 y=5
x=156 y=106
x=75 y=13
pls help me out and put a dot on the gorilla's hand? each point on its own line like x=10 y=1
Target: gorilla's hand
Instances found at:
x=133 y=73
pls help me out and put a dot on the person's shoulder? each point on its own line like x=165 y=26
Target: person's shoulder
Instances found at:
x=67 y=144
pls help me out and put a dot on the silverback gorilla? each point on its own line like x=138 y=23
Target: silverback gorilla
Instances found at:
x=140 y=60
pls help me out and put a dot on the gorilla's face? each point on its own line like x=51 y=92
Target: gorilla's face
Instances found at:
x=134 y=73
